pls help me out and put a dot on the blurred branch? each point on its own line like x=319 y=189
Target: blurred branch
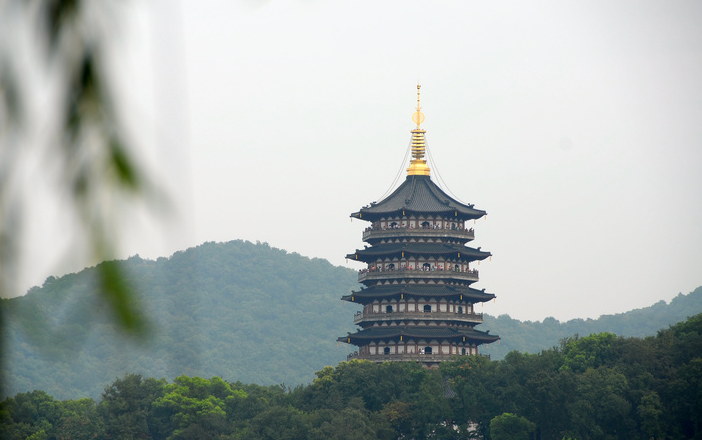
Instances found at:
x=89 y=148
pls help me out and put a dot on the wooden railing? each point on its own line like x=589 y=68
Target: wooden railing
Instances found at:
x=405 y=357
x=423 y=232
x=378 y=274
x=388 y=316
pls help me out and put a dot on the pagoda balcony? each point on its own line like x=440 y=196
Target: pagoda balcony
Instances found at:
x=417 y=274
x=408 y=357
x=417 y=316
x=377 y=233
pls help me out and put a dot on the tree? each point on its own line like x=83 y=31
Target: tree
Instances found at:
x=126 y=406
x=29 y=414
x=80 y=421
x=649 y=412
x=473 y=378
x=508 y=426
x=601 y=409
x=191 y=401
x=588 y=352
x=279 y=423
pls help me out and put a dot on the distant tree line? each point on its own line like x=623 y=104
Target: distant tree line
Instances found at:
x=595 y=387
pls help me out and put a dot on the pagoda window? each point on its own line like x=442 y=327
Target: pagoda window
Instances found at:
x=386 y=350
x=388 y=309
x=427 y=308
x=427 y=350
x=425 y=225
x=463 y=351
x=460 y=310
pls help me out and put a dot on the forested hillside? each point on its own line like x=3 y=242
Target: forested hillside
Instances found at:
x=238 y=310
x=532 y=337
x=598 y=387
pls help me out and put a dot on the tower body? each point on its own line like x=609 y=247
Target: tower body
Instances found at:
x=418 y=303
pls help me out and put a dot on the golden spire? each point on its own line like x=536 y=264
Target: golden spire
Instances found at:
x=418 y=166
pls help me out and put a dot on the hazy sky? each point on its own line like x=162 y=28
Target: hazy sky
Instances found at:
x=576 y=125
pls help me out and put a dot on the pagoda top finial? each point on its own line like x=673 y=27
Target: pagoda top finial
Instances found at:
x=418 y=116
x=418 y=166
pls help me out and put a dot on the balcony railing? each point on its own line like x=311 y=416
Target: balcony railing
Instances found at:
x=371 y=233
x=418 y=316
x=382 y=274
x=407 y=357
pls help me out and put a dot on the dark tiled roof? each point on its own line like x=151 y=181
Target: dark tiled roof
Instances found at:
x=418 y=332
x=390 y=249
x=425 y=290
x=418 y=194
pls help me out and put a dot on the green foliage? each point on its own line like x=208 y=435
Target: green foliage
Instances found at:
x=126 y=406
x=193 y=400
x=588 y=352
x=508 y=426
x=597 y=387
x=279 y=423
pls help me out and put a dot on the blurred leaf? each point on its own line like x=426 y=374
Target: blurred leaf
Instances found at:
x=119 y=295
x=126 y=171
x=56 y=13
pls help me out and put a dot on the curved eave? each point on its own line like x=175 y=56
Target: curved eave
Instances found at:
x=365 y=296
x=363 y=337
x=371 y=216
x=403 y=250
x=418 y=195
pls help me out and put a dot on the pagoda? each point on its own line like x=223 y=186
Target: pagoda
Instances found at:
x=418 y=303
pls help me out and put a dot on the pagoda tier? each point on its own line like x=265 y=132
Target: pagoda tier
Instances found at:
x=418 y=251
x=398 y=292
x=417 y=301
x=418 y=196
x=427 y=344
x=412 y=229
x=396 y=334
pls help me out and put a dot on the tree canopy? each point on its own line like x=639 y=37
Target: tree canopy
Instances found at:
x=596 y=387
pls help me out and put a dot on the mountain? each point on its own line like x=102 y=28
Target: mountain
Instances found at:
x=238 y=310
x=535 y=336
x=235 y=310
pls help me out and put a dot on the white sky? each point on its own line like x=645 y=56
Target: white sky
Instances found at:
x=576 y=126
